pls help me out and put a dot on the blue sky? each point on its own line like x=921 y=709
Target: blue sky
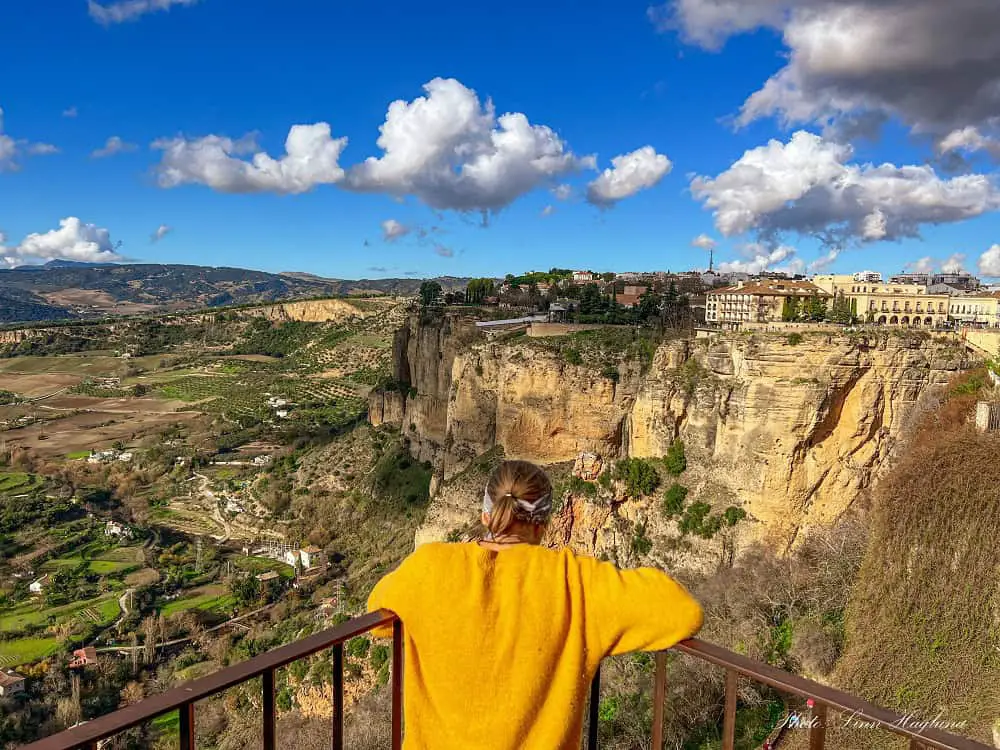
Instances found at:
x=608 y=79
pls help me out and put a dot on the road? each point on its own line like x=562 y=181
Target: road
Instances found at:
x=178 y=641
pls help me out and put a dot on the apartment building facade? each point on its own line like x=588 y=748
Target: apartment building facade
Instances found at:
x=756 y=301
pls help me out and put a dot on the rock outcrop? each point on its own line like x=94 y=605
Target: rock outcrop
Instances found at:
x=793 y=433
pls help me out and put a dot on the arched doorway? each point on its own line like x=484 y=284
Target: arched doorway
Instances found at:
x=894 y=320
x=928 y=322
x=881 y=320
x=906 y=320
x=916 y=320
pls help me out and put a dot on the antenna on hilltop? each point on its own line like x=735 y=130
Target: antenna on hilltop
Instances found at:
x=711 y=258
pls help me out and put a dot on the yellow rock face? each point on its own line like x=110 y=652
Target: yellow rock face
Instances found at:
x=794 y=434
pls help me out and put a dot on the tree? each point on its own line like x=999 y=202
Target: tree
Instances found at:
x=592 y=302
x=649 y=306
x=478 y=290
x=815 y=308
x=790 y=309
x=430 y=291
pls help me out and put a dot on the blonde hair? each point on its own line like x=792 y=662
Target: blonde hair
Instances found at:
x=515 y=481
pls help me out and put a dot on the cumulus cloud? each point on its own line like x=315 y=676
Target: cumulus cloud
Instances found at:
x=378 y=269
x=114 y=145
x=807 y=186
x=70 y=112
x=548 y=210
x=955 y=263
x=162 y=231
x=989 y=262
x=74 y=240
x=12 y=149
x=444 y=252
x=129 y=10
x=758 y=258
x=704 y=242
x=392 y=230
x=934 y=65
x=311 y=159
x=629 y=173
x=563 y=192
x=921 y=265
x=451 y=151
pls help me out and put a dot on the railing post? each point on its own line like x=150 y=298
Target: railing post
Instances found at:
x=593 y=710
x=659 y=696
x=268 y=683
x=338 y=698
x=397 y=685
x=186 y=715
x=817 y=728
x=729 y=719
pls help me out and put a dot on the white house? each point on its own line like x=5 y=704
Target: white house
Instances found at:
x=127 y=456
x=113 y=528
x=11 y=683
x=283 y=413
x=38 y=585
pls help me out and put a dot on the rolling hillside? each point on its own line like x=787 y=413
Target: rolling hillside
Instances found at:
x=62 y=290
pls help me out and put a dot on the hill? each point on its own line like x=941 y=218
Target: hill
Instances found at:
x=67 y=290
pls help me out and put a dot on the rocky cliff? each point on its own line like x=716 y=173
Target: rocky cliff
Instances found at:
x=792 y=431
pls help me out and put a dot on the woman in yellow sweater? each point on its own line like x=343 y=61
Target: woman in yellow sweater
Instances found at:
x=502 y=637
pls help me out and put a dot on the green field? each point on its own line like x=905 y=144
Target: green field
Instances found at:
x=210 y=601
x=109 y=562
x=100 y=611
x=75 y=455
x=26 y=650
x=16 y=480
x=259 y=565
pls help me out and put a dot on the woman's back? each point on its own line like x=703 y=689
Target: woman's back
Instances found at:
x=501 y=646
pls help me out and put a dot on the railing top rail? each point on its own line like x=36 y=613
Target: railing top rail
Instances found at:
x=157 y=705
x=859 y=709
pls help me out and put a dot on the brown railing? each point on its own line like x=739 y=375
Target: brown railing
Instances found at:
x=182 y=699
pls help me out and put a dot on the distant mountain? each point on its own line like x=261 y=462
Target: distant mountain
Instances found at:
x=67 y=289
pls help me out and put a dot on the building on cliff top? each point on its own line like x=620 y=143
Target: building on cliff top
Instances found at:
x=758 y=301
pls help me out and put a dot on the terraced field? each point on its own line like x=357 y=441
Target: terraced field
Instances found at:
x=100 y=611
x=206 y=599
x=26 y=651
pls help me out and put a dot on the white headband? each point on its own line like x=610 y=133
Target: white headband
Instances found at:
x=534 y=511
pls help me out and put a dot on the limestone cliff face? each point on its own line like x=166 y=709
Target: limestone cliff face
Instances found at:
x=792 y=433
x=310 y=311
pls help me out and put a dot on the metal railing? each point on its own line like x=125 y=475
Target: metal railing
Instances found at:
x=183 y=699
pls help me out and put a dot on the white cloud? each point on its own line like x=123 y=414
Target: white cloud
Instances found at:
x=807 y=186
x=704 y=242
x=311 y=159
x=392 y=230
x=451 y=151
x=74 y=240
x=969 y=140
x=758 y=258
x=921 y=265
x=129 y=10
x=11 y=149
x=935 y=65
x=162 y=231
x=70 y=112
x=955 y=263
x=989 y=262
x=114 y=145
x=563 y=192
x=548 y=210
x=629 y=173
x=444 y=252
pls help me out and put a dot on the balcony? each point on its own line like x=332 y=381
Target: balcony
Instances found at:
x=825 y=700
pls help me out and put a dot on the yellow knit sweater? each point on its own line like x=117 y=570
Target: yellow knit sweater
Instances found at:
x=500 y=647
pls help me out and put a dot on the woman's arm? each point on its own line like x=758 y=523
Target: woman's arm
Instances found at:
x=637 y=610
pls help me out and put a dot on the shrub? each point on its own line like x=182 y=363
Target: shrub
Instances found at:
x=610 y=372
x=577 y=486
x=733 y=515
x=379 y=656
x=675 y=460
x=358 y=647
x=673 y=500
x=693 y=517
x=573 y=356
x=639 y=475
x=794 y=339
x=641 y=544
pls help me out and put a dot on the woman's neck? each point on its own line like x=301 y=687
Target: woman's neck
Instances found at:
x=504 y=540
